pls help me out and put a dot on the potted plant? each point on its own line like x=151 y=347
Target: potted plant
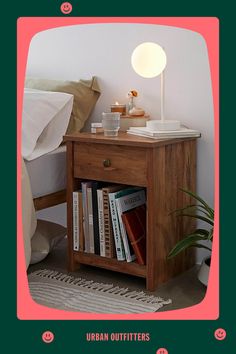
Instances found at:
x=201 y=211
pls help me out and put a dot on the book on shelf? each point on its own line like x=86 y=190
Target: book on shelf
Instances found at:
x=128 y=199
x=90 y=219
x=98 y=226
x=135 y=224
x=76 y=221
x=110 y=251
x=120 y=252
x=84 y=186
x=78 y=232
x=95 y=186
x=81 y=222
x=183 y=132
x=101 y=222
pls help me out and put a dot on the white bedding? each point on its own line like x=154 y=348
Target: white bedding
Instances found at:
x=45 y=120
x=48 y=173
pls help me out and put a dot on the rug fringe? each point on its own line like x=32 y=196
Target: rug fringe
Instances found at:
x=106 y=288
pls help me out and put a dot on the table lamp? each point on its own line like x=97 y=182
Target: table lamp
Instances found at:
x=149 y=60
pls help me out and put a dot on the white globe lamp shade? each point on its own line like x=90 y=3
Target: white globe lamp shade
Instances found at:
x=148 y=59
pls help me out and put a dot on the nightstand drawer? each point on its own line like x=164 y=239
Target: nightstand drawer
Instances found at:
x=111 y=163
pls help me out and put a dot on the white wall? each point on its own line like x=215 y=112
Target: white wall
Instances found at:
x=104 y=50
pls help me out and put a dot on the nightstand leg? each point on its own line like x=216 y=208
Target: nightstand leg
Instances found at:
x=169 y=169
x=72 y=265
x=150 y=283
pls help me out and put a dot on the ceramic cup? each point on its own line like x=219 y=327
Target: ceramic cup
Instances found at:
x=111 y=123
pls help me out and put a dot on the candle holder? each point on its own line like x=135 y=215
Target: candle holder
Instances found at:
x=120 y=108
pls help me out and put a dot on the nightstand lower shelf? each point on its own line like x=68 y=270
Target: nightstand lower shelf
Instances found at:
x=110 y=263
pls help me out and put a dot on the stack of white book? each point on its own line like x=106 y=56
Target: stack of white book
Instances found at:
x=183 y=132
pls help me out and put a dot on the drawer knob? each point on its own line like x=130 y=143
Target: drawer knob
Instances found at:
x=107 y=163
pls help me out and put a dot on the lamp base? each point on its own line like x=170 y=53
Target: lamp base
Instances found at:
x=163 y=124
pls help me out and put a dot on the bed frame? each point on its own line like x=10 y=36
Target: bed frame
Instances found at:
x=50 y=200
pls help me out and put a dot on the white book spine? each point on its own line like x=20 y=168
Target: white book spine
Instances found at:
x=90 y=220
x=75 y=221
x=101 y=222
x=116 y=230
x=129 y=257
x=85 y=224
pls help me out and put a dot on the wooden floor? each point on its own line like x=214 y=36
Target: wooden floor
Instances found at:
x=185 y=290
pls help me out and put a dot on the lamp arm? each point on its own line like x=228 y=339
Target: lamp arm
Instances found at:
x=162 y=95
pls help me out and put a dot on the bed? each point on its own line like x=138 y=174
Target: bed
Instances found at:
x=50 y=110
x=47 y=176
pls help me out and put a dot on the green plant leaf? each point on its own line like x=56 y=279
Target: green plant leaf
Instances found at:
x=208 y=208
x=182 y=209
x=200 y=217
x=199 y=245
x=210 y=235
x=196 y=207
x=202 y=232
x=201 y=211
x=189 y=241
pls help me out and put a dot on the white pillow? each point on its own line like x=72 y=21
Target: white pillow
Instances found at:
x=45 y=120
x=46 y=237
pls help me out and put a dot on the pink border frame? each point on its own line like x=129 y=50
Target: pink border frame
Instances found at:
x=208 y=27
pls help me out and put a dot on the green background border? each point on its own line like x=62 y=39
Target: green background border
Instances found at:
x=176 y=336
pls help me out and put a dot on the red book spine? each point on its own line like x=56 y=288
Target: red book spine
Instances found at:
x=135 y=224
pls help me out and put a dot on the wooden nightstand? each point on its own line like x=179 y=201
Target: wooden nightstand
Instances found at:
x=162 y=167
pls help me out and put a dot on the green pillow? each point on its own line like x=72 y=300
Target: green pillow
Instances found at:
x=85 y=92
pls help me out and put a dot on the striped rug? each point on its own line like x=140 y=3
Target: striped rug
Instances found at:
x=60 y=291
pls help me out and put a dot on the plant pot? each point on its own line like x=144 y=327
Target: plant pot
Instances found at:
x=203 y=273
